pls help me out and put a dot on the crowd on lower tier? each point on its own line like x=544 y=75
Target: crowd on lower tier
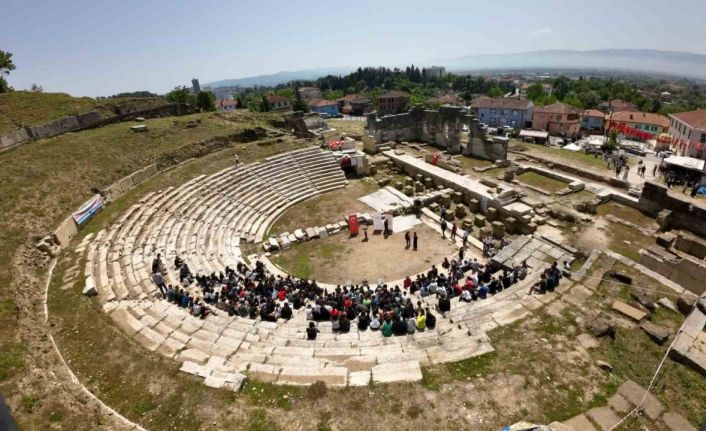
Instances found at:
x=255 y=292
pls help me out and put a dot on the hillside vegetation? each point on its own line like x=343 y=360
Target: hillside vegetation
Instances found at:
x=24 y=108
x=44 y=181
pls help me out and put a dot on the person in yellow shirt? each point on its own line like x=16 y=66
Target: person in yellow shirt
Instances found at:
x=421 y=321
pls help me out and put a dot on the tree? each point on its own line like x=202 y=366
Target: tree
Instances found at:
x=299 y=104
x=611 y=144
x=240 y=102
x=264 y=104
x=36 y=89
x=6 y=65
x=495 y=91
x=206 y=101
x=535 y=91
x=180 y=95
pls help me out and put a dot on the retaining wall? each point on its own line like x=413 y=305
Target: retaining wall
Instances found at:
x=83 y=121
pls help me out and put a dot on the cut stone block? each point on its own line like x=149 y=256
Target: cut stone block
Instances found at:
x=676 y=422
x=619 y=403
x=605 y=417
x=658 y=333
x=633 y=392
x=397 y=372
x=195 y=356
x=359 y=378
x=264 y=372
x=580 y=423
x=332 y=376
x=127 y=322
x=631 y=312
x=273 y=244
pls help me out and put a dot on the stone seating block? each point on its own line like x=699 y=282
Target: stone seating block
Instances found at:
x=294 y=351
x=336 y=352
x=408 y=371
x=192 y=355
x=359 y=378
x=201 y=345
x=192 y=368
x=170 y=347
x=149 y=339
x=126 y=321
x=264 y=372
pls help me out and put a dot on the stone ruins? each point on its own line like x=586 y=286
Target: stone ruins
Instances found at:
x=441 y=128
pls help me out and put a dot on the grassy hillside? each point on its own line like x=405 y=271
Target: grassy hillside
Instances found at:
x=22 y=108
x=44 y=181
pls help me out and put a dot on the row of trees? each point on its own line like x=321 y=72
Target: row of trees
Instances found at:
x=204 y=100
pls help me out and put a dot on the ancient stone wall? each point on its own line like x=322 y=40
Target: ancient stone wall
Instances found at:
x=440 y=127
x=679 y=213
x=688 y=272
x=480 y=146
x=83 y=121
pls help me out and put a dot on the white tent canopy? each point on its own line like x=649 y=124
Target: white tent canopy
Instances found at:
x=685 y=162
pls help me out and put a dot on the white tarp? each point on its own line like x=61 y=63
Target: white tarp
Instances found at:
x=685 y=162
x=405 y=222
x=572 y=147
x=382 y=200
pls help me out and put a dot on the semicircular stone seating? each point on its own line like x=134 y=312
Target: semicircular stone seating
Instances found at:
x=204 y=222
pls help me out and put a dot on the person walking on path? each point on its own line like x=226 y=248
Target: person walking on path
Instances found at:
x=453 y=231
x=465 y=237
x=625 y=174
x=407 y=240
x=443 y=228
x=414 y=241
x=654 y=170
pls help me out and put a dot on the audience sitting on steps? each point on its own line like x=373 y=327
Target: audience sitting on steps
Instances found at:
x=253 y=293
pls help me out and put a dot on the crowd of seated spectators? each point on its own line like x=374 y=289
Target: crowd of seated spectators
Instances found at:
x=255 y=292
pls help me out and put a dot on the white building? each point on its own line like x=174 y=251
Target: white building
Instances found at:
x=689 y=131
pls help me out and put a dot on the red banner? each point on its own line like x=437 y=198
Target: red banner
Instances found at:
x=353 y=224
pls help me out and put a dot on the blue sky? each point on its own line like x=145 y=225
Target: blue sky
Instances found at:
x=102 y=47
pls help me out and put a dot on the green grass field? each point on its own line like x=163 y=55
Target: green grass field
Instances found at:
x=23 y=108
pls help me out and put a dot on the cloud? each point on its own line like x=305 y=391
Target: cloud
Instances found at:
x=542 y=31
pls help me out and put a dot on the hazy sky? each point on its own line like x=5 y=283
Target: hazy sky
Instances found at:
x=96 y=47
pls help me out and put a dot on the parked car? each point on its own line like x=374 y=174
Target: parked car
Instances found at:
x=664 y=154
x=636 y=151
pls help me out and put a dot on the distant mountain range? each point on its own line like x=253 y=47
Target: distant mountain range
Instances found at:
x=684 y=64
x=280 y=77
